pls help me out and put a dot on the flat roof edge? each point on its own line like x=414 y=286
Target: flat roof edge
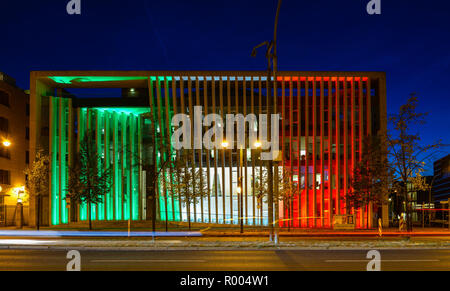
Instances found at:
x=38 y=74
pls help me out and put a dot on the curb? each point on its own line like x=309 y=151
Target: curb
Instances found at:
x=269 y=248
x=329 y=235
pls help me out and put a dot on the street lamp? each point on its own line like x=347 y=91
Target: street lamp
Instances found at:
x=271 y=71
x=258 y=144
x=241 y=196
x=6 y=143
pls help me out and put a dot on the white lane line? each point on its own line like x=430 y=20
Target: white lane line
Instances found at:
x=25 y=242
x=148 y=261
x=358 y=261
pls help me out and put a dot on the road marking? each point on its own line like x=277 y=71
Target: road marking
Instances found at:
x=148 y=261
x=25 y=242
x=365 y=261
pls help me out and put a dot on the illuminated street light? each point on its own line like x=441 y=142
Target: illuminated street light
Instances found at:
x=19 y=192
x=6 y=143
x=224 y=144
x=239 y=189
x=258 y=144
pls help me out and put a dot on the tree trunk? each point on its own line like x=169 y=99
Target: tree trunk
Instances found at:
x=368 y=217
x=38 y=211
x=151 y=196
x=154 y=208
x=90 y=215
x=188 y=208
x=407 y=210
x=292 y=212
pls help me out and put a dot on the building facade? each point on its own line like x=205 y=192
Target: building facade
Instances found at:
x=441 y=183
x=14 y=151
x=324 y=118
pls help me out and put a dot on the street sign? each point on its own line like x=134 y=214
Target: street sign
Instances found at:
x=344 y=222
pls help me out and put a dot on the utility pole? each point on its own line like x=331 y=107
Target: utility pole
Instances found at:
x=240 y=191
x=275 y=68
x=271 y=61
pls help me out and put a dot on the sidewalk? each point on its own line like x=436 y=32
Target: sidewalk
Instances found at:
x=215 y=232
x=209 y=238
x=213 y=244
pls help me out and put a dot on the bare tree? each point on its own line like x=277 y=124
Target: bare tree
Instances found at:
x=371 y=179
x=286 y=190
x=38 y=178
x=88 y=179
x=153 y=175
x=407 y=155
x=186 y=181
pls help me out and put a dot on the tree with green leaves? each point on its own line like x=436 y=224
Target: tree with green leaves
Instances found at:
x=89 y=179
x=37 y=184
x=407 y=154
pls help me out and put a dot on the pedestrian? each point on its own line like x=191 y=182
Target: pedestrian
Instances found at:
x=401 y=223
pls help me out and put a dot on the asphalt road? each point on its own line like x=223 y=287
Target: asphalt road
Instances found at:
x=279 y=260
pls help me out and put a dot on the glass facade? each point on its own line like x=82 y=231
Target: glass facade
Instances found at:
x=324 y=120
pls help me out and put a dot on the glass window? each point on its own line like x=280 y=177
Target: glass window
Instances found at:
x=4 y=125
x=4 y=98
x=4 y=152
x=5 y=177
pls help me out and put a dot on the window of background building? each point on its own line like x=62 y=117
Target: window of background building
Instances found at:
x=4 y=124
x=5 y=177
x=27 y=133
x=27 y=157
x=4 y=98
x=4 y=152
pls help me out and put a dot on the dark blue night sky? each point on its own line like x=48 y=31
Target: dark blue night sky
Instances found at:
x=409 y=41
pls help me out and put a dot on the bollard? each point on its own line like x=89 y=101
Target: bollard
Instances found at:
x=380 y=228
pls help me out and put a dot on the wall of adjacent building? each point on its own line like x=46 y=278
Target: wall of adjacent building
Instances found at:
x=18 y=122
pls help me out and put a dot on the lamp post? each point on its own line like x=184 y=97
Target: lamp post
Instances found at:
x=241 y=200
x=239 y=191
x=271 y=71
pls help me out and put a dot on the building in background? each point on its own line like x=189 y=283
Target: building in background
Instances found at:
x=441 y=184
x=324 y=119
x=441 y=188
x=14 y=152
x=422 y=203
